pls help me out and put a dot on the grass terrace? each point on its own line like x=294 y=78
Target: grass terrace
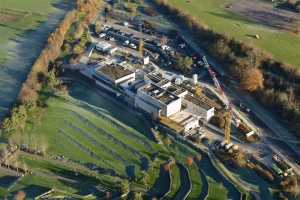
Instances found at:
x=93 y=141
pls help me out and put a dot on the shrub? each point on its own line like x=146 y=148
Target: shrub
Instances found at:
x=252 y=80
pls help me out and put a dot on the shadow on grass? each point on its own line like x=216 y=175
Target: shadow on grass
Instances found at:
x=32 y=191
x=113 y=106
x=83 y=184
x=209 y=170
x=162 y=184
x=130 y=171
x=6 y=181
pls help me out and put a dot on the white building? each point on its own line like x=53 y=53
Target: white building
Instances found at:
x=187 y=120
x=199 y=107
x=103 y=46
x=114 y=74
x=157 y=101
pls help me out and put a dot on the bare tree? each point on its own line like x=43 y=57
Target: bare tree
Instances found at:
x=252 y=80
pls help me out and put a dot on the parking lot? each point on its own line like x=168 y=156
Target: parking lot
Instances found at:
x=161 y=47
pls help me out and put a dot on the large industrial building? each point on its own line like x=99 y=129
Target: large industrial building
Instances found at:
x=114 y=74
x=157 y=101
x=199 y=107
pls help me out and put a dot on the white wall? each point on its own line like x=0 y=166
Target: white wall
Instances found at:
x=173 y=107
x=210 y=113
x=130 y=77
x=151 y=109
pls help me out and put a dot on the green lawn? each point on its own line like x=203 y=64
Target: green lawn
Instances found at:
x=175 y=186
x=283 y=45
x=21 y=16
x=196 y=182
x=75 y=132
x=216 y=191
x=92 y=127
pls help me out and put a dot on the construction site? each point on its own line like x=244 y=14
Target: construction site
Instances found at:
x=145 y=112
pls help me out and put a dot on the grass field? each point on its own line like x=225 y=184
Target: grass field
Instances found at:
x=282 y=45
x=216 y=191
x=17 y=16
x=92 y=128
x=196 y=183
x=175 y=175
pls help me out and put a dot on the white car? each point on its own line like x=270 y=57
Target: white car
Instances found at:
x=105 y=27
x=182 y=45
x=126 y=43
x=102 y=35
x=131 y=45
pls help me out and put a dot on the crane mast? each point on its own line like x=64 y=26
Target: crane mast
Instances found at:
x=228 y=113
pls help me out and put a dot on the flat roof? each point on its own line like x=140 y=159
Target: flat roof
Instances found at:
x=113 y=71
x=176 y=90
x=198 y=101
x=103 y=45
x=183 y=117
x=159 y=93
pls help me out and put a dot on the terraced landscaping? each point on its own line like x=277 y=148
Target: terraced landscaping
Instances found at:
x=197 y=185
x=216 y=191
x=186 y=184
x=88 y=135
x=176 y=181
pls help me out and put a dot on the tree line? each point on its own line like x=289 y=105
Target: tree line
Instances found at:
x=274 y=84
x=83 y=14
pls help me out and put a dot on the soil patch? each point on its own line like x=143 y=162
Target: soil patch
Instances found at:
x=265 y=14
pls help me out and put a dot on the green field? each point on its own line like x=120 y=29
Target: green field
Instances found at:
x=282 y=45
x=91 y=127
x=216 y=191
x=17 y=16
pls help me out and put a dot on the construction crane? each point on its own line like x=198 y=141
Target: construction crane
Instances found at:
x=141 y=47
x=228 y=113
x=227 y=126
x=217 y=83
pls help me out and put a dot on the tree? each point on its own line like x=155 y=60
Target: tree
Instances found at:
x=167 y=141
x=135 y=196
x=98 y=26
x=198 y=91
x=189 y=161
x=198 y=157
x=167 y=167
x=183 y=64
x=53 y=81
x=252 y=80
x=3 y=152
x=78 y=49
x=20 y=195
x=124 y=187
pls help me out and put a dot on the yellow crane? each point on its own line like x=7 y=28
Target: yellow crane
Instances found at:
x=141 y=47
x=227 y=126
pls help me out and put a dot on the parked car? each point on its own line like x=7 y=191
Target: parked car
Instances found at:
x=133 y=46
x=102 y=35
x=126 y=43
